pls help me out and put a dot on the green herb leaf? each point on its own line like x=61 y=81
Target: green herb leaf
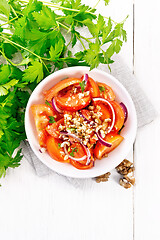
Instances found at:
x=101 y=88
x=51 y=119
x=47 y=103
x=5 y=72
x=82 y=85
x=4 y=8
x=4 y=87
x=92 y=55
x=106 y=2
x=33 y=73
x=46 y=18
x=56 y=51
x=73 y=150
x=59 y=145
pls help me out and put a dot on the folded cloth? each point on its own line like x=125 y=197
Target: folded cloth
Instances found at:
x=145 y=114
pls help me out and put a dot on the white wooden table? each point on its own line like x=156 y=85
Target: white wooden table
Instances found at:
x=51 y=208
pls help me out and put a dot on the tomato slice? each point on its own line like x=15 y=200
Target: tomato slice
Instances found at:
x=41 y=113
x=54 y=150
x=106 y=91
x=52 y=92
x=78 y=153
x=119 y=116
x=80 y=166
x=92 y=140
x=104 y=110
x=78 y=150
x=93 y=88
x=53 y=128
x=100 y=150
x=73 y=103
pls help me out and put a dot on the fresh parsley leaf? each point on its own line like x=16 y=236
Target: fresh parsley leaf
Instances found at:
x=92 y=55
x=2 y=172
x=4 y=87
x=82 y=85
x=106 y=31
x=59 y=145
x=101 y=88
x=33 y=73
x=5 y=72
x=114 y=47
x=100 y=25
x=51 y=119
x=106 y=2
x=46 y=18
x=9 y=50
x=47 y=103
x=73 y=150
x=4 y=8
x=56 y=51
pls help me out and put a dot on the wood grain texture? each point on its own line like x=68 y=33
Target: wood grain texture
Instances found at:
x=147 y=150
x=51 y=208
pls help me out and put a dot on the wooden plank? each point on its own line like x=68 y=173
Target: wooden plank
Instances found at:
x=51 y=208
x=147 y=52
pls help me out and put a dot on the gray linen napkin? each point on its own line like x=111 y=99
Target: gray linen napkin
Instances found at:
x=145 y=114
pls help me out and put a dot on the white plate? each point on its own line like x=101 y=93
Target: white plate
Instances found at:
x=128 y=132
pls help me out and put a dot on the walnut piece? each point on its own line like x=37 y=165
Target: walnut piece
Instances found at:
x=126 y=169
x=130 y=179
x=103 y=178
x=124 y=183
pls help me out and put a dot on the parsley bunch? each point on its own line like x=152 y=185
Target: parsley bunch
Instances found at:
x=42 y=37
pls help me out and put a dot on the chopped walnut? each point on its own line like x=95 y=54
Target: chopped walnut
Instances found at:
x=124 y=183
x=130 y=179
x=126 y=169
x=103 y=178
x=91 y=107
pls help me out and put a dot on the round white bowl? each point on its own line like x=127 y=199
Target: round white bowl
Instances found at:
x=128 y=132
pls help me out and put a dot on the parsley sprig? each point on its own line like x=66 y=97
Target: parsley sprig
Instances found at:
x=101 y=88
x=51 y=119
x=82 y=85
x=42 y=47
x=75 y=149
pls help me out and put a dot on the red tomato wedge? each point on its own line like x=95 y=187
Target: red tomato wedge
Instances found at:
x=54 y=150
x=93 y=88
x=106 y=91
x=80 y=166
x=80 y=152
x=52 y=92
x=105 y=111
x=119 y=116
x=73 y=103
x=41 y=113
x=100 y=150
x=53 y=128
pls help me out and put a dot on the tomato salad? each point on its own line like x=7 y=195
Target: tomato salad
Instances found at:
x=79 y=122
